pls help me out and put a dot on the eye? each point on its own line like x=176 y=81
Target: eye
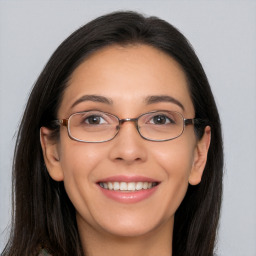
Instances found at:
x=94 y=120
x=161 y=119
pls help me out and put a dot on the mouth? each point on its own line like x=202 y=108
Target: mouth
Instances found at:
x=127 y=186
x=128 y=189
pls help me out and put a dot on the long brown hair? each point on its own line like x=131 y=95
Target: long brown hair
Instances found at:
x=43 y=215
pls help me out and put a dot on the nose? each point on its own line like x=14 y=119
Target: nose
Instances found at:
x=128 y=146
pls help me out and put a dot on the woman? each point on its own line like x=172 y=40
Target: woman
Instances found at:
x=120 y=150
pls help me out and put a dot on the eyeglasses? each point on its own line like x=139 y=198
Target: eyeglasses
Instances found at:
x=97 y=126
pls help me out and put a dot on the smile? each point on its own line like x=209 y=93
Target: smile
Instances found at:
x=128 y=189
x=127 y=186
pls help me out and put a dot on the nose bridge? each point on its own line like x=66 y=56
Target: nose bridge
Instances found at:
x=134 y=120
x=127 y=145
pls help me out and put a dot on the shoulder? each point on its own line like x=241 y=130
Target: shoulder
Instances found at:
x=44 y=253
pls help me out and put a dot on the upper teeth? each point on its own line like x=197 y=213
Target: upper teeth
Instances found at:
x=127 y=186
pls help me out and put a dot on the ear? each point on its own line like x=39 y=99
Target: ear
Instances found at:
x=200 y=157
x=51 y=154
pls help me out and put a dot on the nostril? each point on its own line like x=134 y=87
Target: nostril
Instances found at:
x=128 y=159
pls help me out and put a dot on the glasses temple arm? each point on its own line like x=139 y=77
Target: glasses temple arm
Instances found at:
x=196 y=121
x=56 y=123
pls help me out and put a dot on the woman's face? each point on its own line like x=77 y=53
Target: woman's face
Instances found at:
x=126 y=77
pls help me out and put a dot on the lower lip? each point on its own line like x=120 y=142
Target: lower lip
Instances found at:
x=128 y=197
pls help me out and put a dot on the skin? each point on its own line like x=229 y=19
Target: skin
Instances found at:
x=126 y=75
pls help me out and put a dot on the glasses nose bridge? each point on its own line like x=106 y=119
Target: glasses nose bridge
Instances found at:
x=134 y=120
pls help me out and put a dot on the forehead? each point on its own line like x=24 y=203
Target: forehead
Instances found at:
x=128 y=75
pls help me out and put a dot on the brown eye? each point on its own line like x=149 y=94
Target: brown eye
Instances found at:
x=93 y=120
x=161 y=119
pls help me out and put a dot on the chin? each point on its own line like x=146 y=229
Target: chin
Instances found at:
x=129 y=231
x=135 y=226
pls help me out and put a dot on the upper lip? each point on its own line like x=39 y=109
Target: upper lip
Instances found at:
x=124 y=178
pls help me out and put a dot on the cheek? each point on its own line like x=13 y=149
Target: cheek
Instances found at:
x=78 y=161
x=79 y=158
x=175 y=160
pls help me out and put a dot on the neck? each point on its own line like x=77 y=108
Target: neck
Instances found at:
x=98 y=243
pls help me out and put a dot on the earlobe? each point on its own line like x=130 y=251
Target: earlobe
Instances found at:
x=51 y=154
x=200 y=157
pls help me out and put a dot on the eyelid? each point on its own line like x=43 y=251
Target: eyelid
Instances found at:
x=160 y=114
x=107 y=117
x=153 y=112
x=88 y=110
x=99 y=114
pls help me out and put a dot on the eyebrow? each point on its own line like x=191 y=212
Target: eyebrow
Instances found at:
x=163 y=98
x=94 y=98
x=149 y=100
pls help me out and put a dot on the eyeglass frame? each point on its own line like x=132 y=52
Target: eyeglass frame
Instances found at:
x=186 y=121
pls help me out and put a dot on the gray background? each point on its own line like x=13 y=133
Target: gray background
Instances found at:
x=223 y=34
